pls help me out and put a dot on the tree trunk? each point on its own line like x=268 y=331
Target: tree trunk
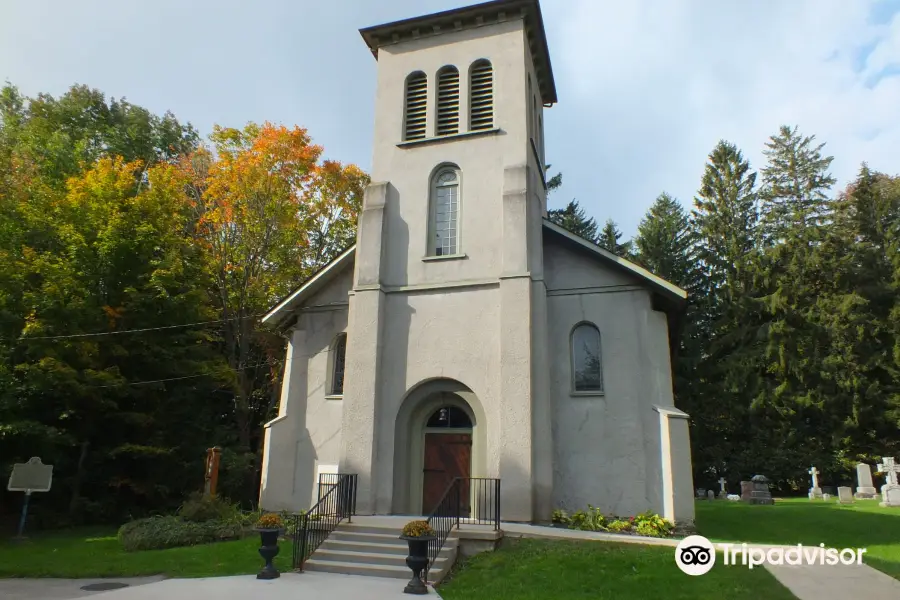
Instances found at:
x=79 y=479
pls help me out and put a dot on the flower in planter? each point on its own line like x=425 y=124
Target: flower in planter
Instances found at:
x=418 y=529
x=270 y=521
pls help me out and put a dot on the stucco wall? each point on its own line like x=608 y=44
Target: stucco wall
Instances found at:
x=606 y=447
x=481 y=159
x=306 y=436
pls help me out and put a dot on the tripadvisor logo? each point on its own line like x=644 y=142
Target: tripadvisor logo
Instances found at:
x=696 y=555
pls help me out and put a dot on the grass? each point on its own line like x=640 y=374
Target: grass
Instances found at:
x=97 y=553
x=862 y=524
x=531 y=569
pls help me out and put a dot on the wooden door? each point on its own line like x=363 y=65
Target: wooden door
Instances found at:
x=447 y=455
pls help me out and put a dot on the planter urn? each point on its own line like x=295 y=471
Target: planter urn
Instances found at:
x=417 y=561
x=268 y=538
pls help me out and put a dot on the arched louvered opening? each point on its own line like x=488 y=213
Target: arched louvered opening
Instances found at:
x=448 y=101
x=481 y=91
x=416 y=99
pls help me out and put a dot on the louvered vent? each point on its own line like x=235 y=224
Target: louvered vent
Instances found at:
x=482 y=96
x=416 y=98
x=448 y=101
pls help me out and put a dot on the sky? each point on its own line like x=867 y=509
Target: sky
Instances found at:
x=646 y=87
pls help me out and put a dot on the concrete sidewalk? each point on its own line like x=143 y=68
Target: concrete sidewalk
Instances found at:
x=840 y=582
x=290 y=586
x=62 y=589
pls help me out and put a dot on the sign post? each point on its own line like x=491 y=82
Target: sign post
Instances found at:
x=32 y=476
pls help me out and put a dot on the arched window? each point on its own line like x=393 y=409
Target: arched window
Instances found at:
x=339 y=358
x=449 y=417
x=416 y=99
x=444 y=226
x=448 y=101
x=481 y=95
x=587 y=365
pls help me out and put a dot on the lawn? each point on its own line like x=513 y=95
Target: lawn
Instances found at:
x=862 y=524
x=531 y=569
x=97 y=553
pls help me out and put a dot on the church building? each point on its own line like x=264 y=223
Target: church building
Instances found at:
x=464 y=334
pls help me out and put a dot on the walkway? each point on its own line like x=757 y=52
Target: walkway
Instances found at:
x=290 y=586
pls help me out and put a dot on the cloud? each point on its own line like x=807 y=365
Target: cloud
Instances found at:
x=647 y=88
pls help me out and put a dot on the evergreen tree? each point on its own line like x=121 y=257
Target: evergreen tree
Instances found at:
x=609 y=240
x=795 y=184
x=663 y=243
x=573 y=218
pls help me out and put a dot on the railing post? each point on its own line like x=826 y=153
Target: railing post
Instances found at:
x=458 y=504
x=497 y=505
x=302 y=532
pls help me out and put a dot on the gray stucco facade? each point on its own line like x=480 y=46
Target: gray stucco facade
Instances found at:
x=486 y=329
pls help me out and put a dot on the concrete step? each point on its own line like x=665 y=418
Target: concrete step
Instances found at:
x=353 y=568
x=366 y=537
x=369 y=558
x=363 y=528
x=398 y=549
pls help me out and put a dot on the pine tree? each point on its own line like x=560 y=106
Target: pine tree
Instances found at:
x=663 y=243
x=573 y=218
x=795 y=184
x=609 y=239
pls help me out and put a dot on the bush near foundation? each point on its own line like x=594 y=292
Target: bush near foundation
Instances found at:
x=157 y=533
x=646 y=524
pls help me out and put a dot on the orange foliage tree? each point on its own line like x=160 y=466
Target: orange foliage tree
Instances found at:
x=268 y=212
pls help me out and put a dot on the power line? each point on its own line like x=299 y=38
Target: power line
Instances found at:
x=264 y=363
x=143 y=329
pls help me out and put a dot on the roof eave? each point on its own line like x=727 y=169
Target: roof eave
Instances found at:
x=658 y=284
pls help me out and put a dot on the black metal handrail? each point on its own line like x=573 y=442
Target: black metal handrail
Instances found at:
x=337 y=501
x=469 y=500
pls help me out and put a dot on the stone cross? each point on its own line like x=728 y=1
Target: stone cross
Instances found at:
x=815 y=476
x=722 y=484
x=890 y=469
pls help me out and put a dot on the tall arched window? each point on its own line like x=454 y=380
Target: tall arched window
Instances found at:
x=444 y=226
x=416 y=99
x=448 y=101
x=587 y=365
x=338 y=362
x=481 y=95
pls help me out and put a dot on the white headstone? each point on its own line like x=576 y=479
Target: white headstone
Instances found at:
x=815 y=491
x=890 y=492
x=710 y=495
x=865 y=488
x=845 y=495
x=722 y=485
x=825 y=497
x=733 y=497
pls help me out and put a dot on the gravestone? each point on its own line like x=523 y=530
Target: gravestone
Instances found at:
x=815 y=492
x=722 y=492
x=826 y=497
x=710 y=495
x=746 y=490
x=890 y=491
x=759 y=491
x=865 y=488
x=845 y=495
x=701 y=493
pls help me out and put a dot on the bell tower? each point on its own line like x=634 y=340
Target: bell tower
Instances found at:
x=450 y=237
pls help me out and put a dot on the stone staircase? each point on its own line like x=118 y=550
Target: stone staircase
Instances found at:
x=374 y=548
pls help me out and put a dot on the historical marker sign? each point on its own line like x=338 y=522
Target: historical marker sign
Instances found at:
x=32 y=476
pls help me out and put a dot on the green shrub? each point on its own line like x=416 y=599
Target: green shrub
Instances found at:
x=199 y=508
x=561 y=516
x=652 y=525
x=619 y=526
x=590 y=520
x=156 y=533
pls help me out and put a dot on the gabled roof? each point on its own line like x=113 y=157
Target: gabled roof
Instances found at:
x=283 y=309
x=657 y=284
x=468 y=17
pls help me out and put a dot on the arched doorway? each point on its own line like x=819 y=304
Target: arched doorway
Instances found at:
x=439 y=434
